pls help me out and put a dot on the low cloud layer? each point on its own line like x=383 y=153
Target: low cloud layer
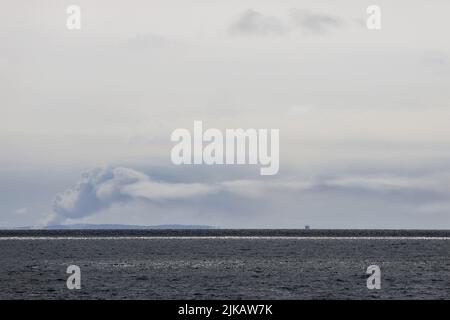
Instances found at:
x=100 y=189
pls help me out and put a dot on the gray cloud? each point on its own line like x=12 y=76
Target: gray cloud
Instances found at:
x=251 y=22
x=317 y=23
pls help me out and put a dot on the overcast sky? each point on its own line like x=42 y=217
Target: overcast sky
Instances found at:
x=86 y=115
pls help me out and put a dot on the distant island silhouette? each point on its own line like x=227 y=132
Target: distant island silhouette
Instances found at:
x=118 y=227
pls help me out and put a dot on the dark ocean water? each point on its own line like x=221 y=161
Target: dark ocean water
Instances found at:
x=225 y=264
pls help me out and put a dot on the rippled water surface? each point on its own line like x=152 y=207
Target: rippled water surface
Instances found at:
x=224 y=264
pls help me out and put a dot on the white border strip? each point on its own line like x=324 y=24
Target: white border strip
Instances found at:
x=219 y=238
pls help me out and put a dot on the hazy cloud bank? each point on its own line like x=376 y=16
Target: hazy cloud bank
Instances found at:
x=101 y=188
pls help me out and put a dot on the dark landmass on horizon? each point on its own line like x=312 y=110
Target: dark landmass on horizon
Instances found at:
x=116 y=227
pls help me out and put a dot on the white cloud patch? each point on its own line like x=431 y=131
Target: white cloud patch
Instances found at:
x=99 y=189
x=259 y=188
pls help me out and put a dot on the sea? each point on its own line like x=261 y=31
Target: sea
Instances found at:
x=225 y=264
